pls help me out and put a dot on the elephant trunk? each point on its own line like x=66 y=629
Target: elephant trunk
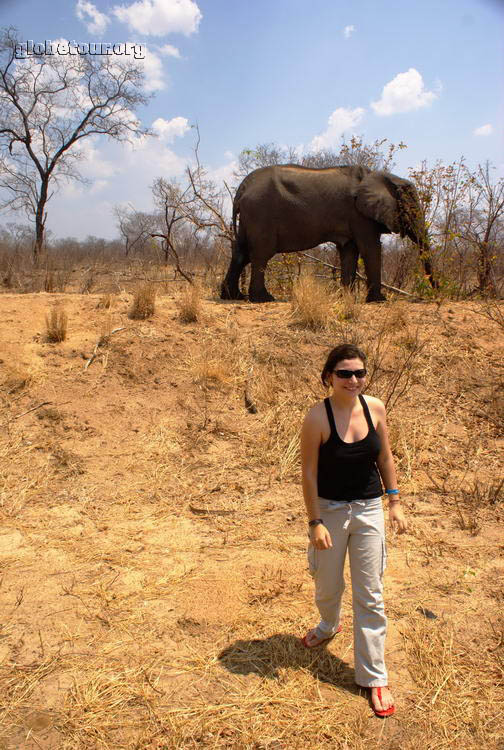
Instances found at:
x=413 y=226
x=426 y=257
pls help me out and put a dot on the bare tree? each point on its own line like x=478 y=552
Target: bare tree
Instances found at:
x=264 y=155
x=175 y=205
x=465 y=214
x=19 y=237
x=481 y=226
x=48 y=104
x=135 y=227
x=193 y=209
x=376 y=155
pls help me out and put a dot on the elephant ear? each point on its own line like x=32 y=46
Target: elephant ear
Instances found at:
x=377 y=198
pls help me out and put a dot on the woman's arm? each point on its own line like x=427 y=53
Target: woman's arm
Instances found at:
x=310 y=444
x=386 y=467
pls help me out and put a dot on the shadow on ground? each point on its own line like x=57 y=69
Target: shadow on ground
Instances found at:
x=266 y=656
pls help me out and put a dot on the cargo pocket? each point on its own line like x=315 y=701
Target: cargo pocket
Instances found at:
x=383 y=558
x=312 y=559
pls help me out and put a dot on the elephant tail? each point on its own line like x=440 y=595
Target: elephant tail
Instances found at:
x=236 y=211
x=236 y=205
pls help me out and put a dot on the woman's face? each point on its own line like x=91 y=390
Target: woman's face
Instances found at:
x=348 y=386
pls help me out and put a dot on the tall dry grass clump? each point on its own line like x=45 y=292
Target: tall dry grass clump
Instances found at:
x=312 y=303
x=190 y=304
x=56 y=325
x=105 y=302
x=144 y=302
x=348 y=308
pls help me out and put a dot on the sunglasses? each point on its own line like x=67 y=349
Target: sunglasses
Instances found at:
x=348 y=373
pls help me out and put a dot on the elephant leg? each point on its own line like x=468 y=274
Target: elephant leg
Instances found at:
x=230 y=286
x=369 y=245
x=349 y=255
x=257 y=289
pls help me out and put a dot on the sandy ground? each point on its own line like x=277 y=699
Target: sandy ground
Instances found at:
x=152 y=543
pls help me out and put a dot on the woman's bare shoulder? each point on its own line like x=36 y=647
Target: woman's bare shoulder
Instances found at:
x=315 y=414
x=372 y=399
x=375 y=404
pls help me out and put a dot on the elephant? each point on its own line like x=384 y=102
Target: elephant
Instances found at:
x=288 y=208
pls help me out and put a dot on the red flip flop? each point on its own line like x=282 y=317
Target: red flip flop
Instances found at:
x=320 y=643
x=387 y=712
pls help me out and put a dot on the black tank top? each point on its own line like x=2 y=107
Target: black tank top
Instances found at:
x=347 y=471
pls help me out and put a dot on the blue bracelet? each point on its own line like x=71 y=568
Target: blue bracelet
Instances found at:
x=392 y=492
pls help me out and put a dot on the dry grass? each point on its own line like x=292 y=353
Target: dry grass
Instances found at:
x=189 y=304
x=16 y=379
x=144 y=302
x=56 y=281
x=348 y=307
x=88 y=282
x=278 y=443
x=56 y=325
x=105 y=302
x=458 y=685
x=19 y=489
x=493 y=310
x=312 y=303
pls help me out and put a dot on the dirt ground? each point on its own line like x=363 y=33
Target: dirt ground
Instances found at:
x=153 y=575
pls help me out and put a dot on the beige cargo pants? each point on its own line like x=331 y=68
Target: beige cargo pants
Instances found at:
x=359 y=527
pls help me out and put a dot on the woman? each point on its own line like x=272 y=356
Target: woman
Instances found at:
x=345 y=457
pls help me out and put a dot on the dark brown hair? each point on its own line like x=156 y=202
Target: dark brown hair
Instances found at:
x=343 y=351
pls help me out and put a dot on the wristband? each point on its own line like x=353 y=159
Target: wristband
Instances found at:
x=391 y=492
x=315 y=522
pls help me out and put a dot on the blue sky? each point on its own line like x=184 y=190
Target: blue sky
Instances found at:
x=298 y=73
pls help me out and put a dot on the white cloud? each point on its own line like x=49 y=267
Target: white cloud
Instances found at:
x=347 y=31
x=95 y=22
x=341 y=120
x=118 y=173
x=160 y=17
x=153 y=69
x=404 y=93
x=94 y=165
x=168 y=130
x=224 y=173
x=484 y=130
x=170 y=51
x=98 y=186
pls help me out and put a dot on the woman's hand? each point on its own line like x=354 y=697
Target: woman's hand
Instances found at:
x=397 y=518
x=320 y=537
